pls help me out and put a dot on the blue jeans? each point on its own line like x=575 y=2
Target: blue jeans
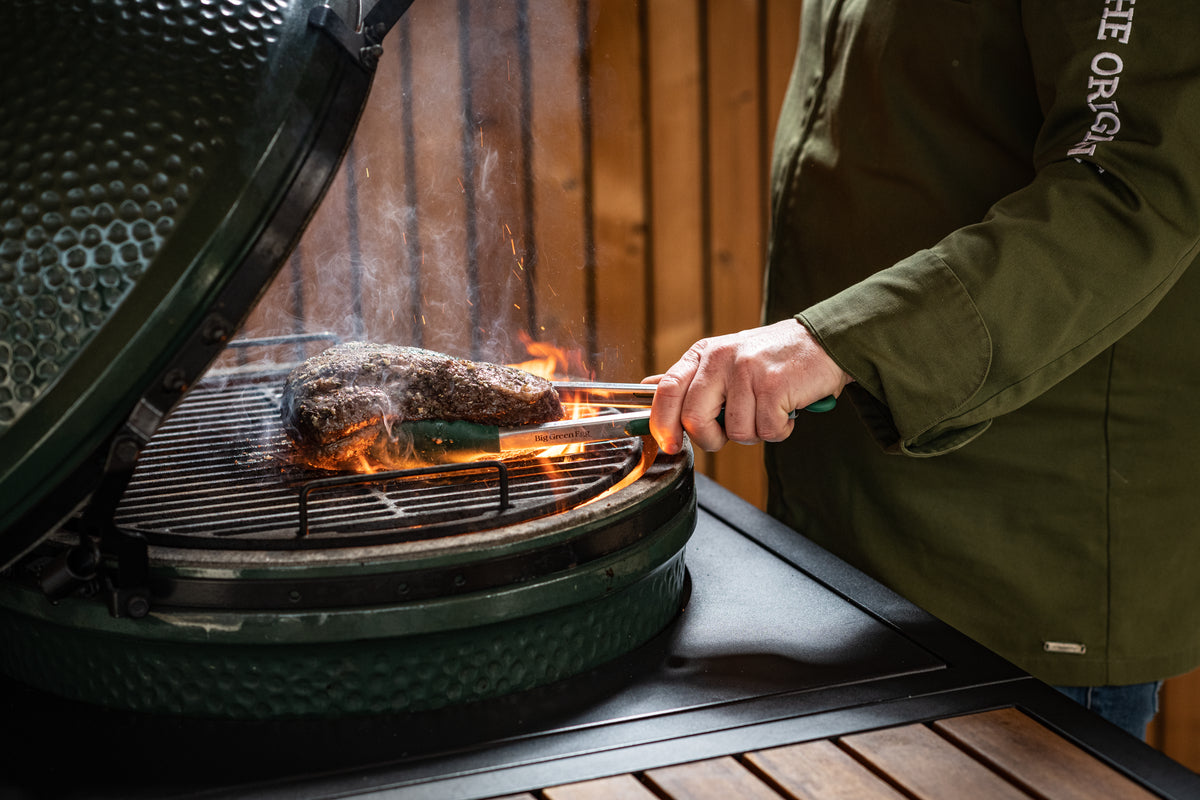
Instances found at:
x=1129 y=707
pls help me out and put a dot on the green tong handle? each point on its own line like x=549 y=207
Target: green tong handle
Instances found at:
x=824 y=404
x=641 y=427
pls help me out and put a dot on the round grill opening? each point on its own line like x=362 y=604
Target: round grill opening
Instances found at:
x=217 y=474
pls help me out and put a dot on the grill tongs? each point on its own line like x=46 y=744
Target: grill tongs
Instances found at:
x=439 y=440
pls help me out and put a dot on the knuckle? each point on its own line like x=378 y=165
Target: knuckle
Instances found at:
x=776 y=432
x=710 y=444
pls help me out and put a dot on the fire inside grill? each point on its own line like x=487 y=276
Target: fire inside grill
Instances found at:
x=218 y=474
x=194 y=569
x=238 y=571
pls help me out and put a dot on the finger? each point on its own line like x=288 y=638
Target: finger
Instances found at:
x=778 y=430
x=666 y=425
x=652 y=378
x=703 y=428
x=774 y=422
x=741 y=421
x=702 y=406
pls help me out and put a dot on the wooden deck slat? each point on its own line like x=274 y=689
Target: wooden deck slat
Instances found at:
x=928 y=766
x=618 y=787
x=712 y=779
x=820 y=771
x=1035 y=757
x=994 y=755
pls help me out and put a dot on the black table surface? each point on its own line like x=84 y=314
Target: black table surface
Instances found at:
x=779 y=642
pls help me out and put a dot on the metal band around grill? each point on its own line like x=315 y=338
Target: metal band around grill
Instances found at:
x=245 y=594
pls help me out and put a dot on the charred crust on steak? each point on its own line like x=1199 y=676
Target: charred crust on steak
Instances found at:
x=338 y=405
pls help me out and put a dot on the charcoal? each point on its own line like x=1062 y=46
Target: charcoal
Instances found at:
x=342 y=404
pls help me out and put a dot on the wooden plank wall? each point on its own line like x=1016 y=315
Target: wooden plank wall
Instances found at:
x=589 y=173
x=1176 y=729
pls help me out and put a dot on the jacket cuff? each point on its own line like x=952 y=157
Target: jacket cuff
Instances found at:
x=917 y=348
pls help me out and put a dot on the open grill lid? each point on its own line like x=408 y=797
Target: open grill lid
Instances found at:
x=157 y=164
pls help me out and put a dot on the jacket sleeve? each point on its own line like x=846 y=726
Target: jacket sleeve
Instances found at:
x=1056 y=272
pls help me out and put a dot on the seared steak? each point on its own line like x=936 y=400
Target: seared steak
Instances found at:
x=340 y=406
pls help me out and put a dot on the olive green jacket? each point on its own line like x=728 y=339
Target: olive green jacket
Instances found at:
x=985 y=210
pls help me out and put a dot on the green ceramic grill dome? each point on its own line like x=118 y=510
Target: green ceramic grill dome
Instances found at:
x=105 y=142
x=157 y=161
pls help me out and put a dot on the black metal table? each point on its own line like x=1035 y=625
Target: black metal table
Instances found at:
x=779 y=643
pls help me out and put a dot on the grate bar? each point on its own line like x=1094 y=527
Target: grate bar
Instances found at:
x=383 y=478
x=218 y=474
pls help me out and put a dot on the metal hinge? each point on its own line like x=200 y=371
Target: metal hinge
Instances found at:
x=362 y=45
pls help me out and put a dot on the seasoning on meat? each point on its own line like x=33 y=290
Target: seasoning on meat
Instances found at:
x=339 y=407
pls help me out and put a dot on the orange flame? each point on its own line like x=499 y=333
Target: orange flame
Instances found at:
x=546 y=360
x=555 y=363
x=552 y=362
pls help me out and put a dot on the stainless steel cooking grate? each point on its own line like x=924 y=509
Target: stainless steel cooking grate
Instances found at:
x=216 y=474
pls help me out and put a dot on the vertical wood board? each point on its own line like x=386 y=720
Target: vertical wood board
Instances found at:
x=619 y=205
x=557 y=256
x=676 y=179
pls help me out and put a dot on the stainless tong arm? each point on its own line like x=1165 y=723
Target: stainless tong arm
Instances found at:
x=637 y=395
x=611 y=395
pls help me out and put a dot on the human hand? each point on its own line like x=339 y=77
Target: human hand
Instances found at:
x=760 y=376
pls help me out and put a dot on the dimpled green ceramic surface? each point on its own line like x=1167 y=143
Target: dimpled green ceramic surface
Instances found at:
x=144 y=149
x=398 y=658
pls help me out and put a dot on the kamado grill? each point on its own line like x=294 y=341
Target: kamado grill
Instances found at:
x=160 y=552
x=185 y=610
